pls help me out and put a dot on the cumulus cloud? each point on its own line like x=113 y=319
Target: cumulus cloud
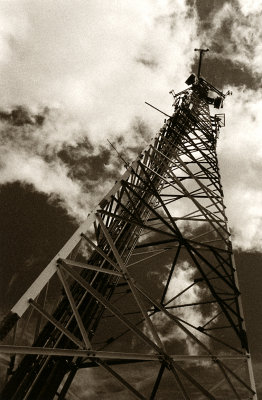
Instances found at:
x=250 y=7
x=51 y=163
x=181 y=280
x=240 y=157
x=93 y=64
x=234 y=34
x=85 y=57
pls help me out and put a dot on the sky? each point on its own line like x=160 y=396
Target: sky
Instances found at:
x=75 y=74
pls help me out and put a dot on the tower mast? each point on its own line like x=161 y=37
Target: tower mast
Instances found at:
x=201 y=51
x=148 y=280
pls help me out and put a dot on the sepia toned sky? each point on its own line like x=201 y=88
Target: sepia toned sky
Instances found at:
x=76 y=73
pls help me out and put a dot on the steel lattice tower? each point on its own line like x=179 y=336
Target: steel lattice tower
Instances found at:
x=149 y=280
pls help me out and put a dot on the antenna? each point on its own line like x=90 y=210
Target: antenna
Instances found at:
x=162 y=112
x=134 y=219
x=201 y=51
x=119 y=155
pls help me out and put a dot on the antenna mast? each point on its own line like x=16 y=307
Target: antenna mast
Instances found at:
x=201 y=51
x=148 y=293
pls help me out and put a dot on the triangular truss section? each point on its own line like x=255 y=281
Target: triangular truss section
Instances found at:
x=148 y=281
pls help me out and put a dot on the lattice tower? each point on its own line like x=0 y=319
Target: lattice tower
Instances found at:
x=149 y=281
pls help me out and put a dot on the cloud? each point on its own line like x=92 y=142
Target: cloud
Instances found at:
x=234 y=34
x=240 y=156
x=182 y=279
x=250 y=7
x=96 y=383
x=47 y=178
x=88 y=70
x=80 y=65
x=84 y=58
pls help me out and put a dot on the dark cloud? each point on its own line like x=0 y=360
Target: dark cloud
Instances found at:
x=217 y=33
x=148 y=63
x=248 y=266
x=20 y=116
x=82 y=165
x=223 y=73
x=33 y=229
x=205 y=9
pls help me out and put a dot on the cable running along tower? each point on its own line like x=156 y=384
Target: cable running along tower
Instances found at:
x=149 y=296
